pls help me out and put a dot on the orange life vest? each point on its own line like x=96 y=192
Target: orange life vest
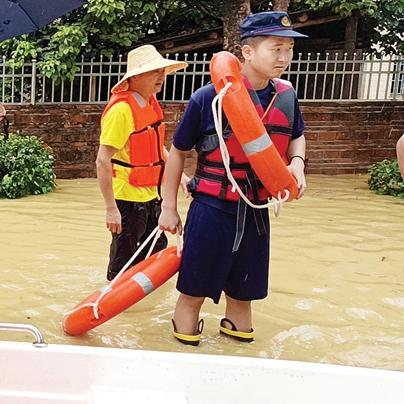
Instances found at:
x=267 y=158
x=146 y=142
x=210 y=176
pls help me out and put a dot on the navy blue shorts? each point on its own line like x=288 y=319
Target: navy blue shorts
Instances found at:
x=208 y=264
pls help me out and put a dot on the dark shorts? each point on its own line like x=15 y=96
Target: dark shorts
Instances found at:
x=139 y=219
x=208 y=264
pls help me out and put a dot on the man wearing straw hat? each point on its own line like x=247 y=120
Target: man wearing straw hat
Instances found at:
x=131 y=155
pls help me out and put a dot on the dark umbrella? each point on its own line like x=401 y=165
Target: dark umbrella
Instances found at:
x=19 y=17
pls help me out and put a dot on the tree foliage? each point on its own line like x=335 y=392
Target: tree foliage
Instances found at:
x=384 y=18
x=388 y=25
x=342 y=7
x=112 y=27
x=385 y=178
x=26 y=167
x=102 y=27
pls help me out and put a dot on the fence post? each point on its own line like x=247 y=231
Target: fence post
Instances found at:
x=3 y=81
x=33 y=82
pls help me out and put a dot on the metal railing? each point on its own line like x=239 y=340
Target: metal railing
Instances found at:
x=39 y=339
x=326 y=77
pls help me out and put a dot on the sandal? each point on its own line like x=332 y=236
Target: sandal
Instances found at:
x=186 y=339
x=234 y=333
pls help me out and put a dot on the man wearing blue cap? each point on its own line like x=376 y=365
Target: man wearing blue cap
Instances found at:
x=226 y=243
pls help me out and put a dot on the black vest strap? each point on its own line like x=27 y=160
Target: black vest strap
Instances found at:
x=199 y=173
x=128 y=165
x=278 y=129
x=240 y=223
x=121 y=163
x=219 y=164
x=242 y=214
x=251 y=182
x=154 y=125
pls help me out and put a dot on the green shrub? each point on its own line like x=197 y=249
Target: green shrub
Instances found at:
x=26 y=167
x=385 y=178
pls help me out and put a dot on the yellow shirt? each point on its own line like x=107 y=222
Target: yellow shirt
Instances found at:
x=116 y=127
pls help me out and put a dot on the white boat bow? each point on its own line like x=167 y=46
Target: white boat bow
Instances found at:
x=62 y=374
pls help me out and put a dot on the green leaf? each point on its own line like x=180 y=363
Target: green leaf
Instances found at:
x=26 y=167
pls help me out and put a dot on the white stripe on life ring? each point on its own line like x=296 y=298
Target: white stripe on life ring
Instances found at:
x=257 y=145
x=144 y=282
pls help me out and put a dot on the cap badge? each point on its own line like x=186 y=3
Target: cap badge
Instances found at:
x=285 y=21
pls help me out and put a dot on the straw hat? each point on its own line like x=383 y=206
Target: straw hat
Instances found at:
x=145 y=59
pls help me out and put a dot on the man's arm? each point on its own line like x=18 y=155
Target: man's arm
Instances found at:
x=104 y=175
x=400 y=155
x=184 y=178
x=169 y=219
x=297 y=154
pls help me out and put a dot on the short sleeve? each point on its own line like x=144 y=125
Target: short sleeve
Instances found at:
x=117 y=125
x=189 y=128
x=298 y=124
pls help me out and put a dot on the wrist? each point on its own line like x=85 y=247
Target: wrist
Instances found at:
x=169 y=206
x=298 y=158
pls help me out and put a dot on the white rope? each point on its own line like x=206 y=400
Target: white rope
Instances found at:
x=106 y=289
x=276 y=203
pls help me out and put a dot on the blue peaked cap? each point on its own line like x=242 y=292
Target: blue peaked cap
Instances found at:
x=268 y=23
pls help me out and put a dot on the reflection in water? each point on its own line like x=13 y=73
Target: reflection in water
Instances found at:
x=337 y=290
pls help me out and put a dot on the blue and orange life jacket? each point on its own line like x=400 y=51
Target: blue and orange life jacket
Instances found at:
x=146 y=142
x=210 y=176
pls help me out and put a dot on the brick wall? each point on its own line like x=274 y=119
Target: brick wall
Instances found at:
x=347 y=137
x=72 y=132
x=341 y=137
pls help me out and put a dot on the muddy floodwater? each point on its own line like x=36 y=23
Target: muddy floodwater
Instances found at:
x=337 y=277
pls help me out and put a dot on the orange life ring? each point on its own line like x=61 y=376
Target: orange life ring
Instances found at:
x=248 y=128
x=134 y=284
